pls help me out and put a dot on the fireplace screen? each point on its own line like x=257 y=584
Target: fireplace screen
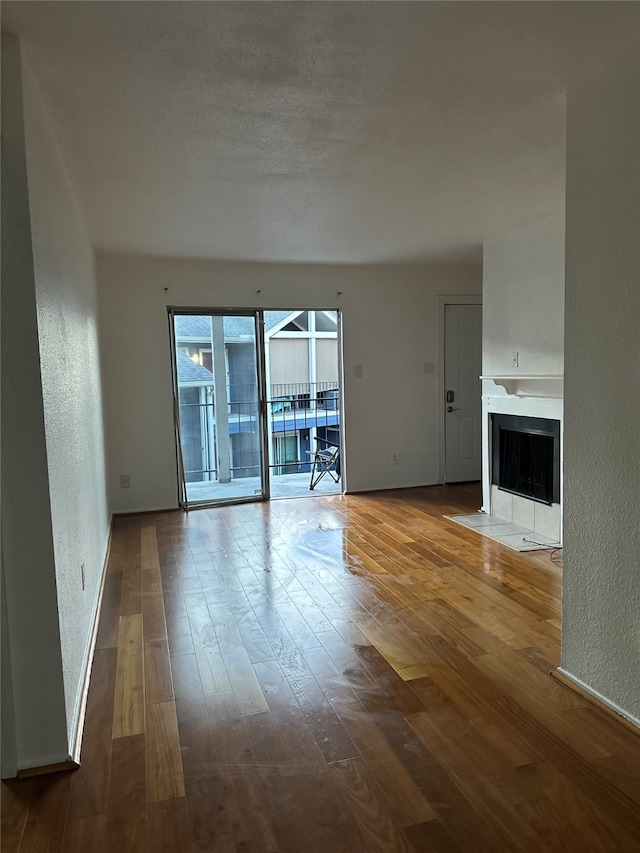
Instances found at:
x=526 y=464
x=526 y=457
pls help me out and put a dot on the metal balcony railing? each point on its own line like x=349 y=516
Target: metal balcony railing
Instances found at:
x=296 y=413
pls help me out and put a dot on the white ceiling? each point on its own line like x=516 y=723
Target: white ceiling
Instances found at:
x=314 y=131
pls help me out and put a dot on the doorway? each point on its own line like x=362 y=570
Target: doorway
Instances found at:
x=462 y=398
x=302 y=351
x=255 y=394
x=218 y=377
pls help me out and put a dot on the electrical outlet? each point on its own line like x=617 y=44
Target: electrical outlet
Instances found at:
x=428 y=367
x=125 y=481
x=395 y=458
x=82 y=575
x=514 y=359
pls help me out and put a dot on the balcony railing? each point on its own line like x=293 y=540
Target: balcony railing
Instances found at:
x=296 y=413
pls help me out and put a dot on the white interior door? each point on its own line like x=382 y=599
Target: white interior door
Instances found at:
x=463 y=392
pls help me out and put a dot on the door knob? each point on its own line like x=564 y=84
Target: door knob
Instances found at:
x=452 y=409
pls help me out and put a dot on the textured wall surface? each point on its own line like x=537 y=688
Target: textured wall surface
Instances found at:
x=30 y=638
x=601 y=587
x=523 y=300
x=389 y=326
x=71 y=389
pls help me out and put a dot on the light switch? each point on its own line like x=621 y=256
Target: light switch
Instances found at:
x=358 y=371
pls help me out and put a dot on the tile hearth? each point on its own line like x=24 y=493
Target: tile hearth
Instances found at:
x=509 y=534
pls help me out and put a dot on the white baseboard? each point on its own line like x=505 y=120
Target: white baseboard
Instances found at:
x=602 y=700
x=77 y=728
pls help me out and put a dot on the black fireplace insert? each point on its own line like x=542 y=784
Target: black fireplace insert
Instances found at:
x=525 y=456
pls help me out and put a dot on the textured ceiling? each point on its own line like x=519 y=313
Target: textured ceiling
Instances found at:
x=314 y=131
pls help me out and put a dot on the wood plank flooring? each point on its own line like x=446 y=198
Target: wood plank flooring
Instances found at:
x=332 y=674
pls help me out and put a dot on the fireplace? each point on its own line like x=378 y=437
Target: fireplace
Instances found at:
x=525 y=455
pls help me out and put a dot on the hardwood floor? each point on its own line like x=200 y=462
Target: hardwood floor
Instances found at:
x=332 y=674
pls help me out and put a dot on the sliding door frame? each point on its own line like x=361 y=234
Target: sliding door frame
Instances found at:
x=261 y=367
x=257 y=315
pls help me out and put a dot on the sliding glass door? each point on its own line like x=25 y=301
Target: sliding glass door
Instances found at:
x=218 y=372
x=303 y=399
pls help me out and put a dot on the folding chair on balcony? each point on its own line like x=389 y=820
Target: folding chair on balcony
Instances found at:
x=326 y=460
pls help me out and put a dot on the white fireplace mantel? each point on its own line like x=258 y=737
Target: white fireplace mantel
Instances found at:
x=549 y=385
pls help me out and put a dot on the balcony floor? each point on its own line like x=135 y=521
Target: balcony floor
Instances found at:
x=282 y=486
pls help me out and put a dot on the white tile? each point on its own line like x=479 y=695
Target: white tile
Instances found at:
x=523 y=512
x=547 y=521
x=478 y=520
x=522 y=542
x=513 y=540
x=506 y=530
x=533 y=538
x=512 y=535
x=501 y=504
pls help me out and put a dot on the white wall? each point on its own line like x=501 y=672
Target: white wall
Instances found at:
x=601 y=587
x=523 y=312
x=389 y=324
x=71 y=387
x=54 y=503
x=523 y=300
x=31 y=620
